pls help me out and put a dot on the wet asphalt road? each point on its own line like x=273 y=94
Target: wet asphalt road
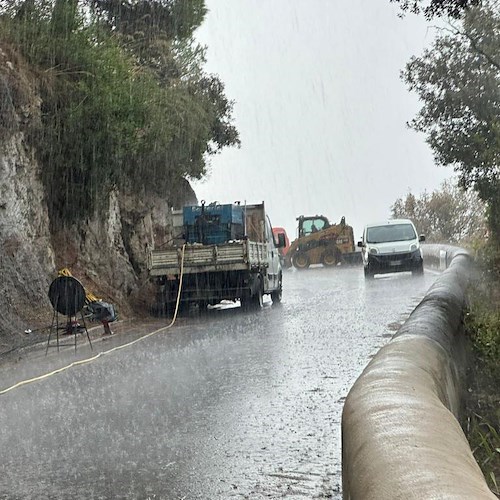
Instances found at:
x=229 y=404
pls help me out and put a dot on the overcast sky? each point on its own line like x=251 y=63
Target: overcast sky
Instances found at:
x=320 y=108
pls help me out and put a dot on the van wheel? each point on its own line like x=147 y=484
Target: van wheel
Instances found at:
x=418 y=271
x=300 y=260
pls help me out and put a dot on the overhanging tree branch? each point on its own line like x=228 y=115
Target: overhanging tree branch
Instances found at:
x=475 y=46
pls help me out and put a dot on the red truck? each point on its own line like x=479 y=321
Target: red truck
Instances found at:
x=283 y=250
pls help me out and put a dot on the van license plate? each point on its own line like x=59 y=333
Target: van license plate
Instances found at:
x=395 y=263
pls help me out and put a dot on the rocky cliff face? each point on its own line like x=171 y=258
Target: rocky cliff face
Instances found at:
x=26 y=254
x=107 y=252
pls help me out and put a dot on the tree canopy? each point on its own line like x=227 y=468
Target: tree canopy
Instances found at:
x=458 y=82
x=126 y=101
x=174 y=19
x=447 y=215
x=436 y=8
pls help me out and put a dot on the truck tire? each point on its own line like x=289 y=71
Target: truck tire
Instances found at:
x=245 y=299
x=300 y=260
x=163 y=307
x=277 y=294
x=258 y=299
x=168 y=309
x=202 y=306
x=181 y=310
x=251 y=302
x=255 y=300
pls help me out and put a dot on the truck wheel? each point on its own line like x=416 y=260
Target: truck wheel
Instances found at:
x=253 y=301
x=202 y=306
x=169 y=309
x=300 y=260
x=330 y=258
x=258 y=299
x=183 y=309
x=245 y=300
x=277 y=294
x=250 y=302
x=163 y=308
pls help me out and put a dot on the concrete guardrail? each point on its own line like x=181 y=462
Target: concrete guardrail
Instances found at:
x=401 y=438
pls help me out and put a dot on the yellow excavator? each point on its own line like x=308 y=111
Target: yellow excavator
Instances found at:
x=320 y=242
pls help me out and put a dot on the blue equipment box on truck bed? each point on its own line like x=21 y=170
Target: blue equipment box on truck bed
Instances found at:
x=213 y=224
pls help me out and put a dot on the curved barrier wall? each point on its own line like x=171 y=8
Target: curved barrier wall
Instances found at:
x=400 y=435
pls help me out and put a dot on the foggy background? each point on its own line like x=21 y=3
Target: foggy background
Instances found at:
x=320 y=108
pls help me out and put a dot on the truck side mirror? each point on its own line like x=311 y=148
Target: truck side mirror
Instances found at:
x=421 y=238
x=360 y=244
x=281 y=240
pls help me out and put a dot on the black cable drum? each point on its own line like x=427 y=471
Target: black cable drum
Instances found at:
x=67 y=295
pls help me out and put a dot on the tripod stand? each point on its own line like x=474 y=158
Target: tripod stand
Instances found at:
x=67 y=297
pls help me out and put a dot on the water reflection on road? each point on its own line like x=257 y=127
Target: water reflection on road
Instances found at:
x=229 y=404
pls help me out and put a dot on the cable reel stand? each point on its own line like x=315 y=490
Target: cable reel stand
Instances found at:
x=67 y=296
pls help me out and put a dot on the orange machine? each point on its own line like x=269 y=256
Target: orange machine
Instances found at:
x=320 y=242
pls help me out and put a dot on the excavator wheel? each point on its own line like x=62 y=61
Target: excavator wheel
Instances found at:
x=330 y=258
x=300 y=260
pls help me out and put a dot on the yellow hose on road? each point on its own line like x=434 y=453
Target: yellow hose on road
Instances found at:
x=104 y=353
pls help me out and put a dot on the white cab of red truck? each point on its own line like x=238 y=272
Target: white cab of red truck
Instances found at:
x=223 y=252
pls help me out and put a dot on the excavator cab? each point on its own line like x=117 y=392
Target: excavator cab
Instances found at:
x=309 y=225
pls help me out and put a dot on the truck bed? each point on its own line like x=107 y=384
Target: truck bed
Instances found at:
x=231 y=256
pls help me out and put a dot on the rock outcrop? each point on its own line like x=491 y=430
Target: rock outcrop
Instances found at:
x=107 y=252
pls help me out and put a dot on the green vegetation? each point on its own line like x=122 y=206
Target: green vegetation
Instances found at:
x=486 y=335
x=487 y=449
x=436 y=8
x=447 y=215
x=458 y=82
x=483 y=404
x=125 y=100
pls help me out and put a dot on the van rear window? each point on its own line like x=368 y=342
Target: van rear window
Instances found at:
x=392 y=232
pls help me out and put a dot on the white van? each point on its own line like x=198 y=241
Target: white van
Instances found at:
x=391 y=246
